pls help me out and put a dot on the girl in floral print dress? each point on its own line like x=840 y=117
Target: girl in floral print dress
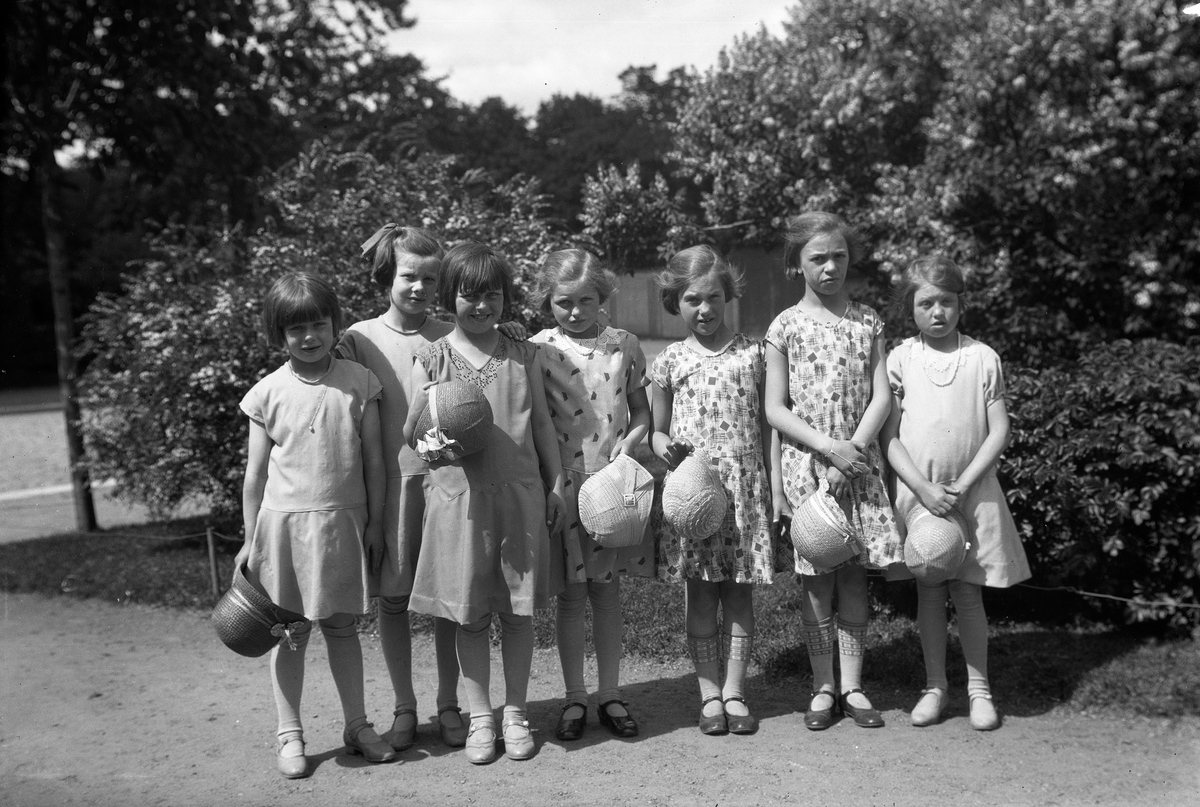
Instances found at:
x=828 y=396
x=596 y=389
x=707 y=394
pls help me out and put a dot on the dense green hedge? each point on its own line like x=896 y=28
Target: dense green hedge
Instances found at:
x=1102 y=476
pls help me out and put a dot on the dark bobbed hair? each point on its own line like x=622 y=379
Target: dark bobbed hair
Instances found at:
x=568 y=266
x=471 y=267
x=295 y=298
x=805 y=227
x=935 y=270
x=411 y=240
x=691 y=264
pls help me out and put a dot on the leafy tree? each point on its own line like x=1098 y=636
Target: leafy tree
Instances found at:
x=806 y=121
x=1063 y=162
x=176 y=351
x=202 y=90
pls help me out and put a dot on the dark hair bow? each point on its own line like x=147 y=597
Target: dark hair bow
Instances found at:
x=369 y=244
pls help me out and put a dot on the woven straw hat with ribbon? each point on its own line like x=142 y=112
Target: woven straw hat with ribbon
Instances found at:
x=821 y=532
x=693 y=499
x=614 y=503
x=248 y=622
x=456 y=423
x=935 y=546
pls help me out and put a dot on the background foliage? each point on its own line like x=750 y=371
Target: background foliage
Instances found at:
x=175 y=351
x=1051 y=147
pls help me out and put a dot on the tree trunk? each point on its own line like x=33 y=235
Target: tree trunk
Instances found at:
x=64 y=335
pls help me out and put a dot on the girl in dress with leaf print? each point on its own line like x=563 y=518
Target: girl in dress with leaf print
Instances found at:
x=596 y=389
x=707 y=394
x=827 y=396
x=489 y=516
x=945 y=434
x=312 y=503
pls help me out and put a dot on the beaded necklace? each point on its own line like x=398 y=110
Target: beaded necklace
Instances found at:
x=948 y=362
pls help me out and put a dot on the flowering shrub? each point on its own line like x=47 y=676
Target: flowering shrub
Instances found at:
x=1102 y=475
x=635 y=226
x=171 y=356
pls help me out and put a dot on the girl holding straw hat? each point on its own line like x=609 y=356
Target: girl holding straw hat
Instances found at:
x=709 y=422
x=946 y=431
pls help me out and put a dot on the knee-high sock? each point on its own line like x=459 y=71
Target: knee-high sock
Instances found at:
x=608 y=621
x=516 y=651
x=819 y=640
x=851 y=639
x=972 y=634
x=569 y=625
x=737 y=617
x=474 y=658
x=931 y=622
x=346 y=664
x=445 y=645
x=395 y=637
x=287 y=681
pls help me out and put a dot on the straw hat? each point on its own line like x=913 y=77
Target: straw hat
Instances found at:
x=821 y=532
x=248 y=622
x=693 y=499
x=935 y=547
x=456 y=423
x=614 y=503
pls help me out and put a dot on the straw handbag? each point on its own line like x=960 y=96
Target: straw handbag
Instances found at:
x=935 y=546
x=456 y=423
x=248 y=622
x=821 y=532
x=693 y=498
x=614 y=503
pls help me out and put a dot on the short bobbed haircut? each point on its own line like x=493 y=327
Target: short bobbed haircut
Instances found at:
x=407 y=240
x=472 y=268
x=805 y=227
x=932 y=270
x=569 y=266
x=295 y=298
x=691 y=264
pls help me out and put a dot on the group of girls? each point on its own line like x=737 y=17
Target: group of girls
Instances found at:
x=340 y=507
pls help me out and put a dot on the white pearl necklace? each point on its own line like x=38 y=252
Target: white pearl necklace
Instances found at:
x=946 y=363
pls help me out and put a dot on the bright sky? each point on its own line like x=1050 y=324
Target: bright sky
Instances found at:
x=525 y=51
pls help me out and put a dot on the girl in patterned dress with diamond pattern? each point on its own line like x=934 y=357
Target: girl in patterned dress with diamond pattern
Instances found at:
x=827 y=395
x=707 y=394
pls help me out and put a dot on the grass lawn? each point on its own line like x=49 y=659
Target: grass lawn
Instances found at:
x=1035 y=665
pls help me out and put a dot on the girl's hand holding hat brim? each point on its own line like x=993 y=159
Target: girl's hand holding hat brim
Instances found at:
x=677 y=451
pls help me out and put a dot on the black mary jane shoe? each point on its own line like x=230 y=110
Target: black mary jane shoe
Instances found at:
x=620 y=725
x=718 y=723
x=820 y=719
x=740 y=724
x=571 y=728
x=867 y=718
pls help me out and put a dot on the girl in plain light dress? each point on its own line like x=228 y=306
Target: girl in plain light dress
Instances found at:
x=947 y=429
x=312 y=506
x=489 y=516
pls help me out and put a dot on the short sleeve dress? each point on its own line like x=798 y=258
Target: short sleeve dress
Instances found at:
x=588 y=388
x=307 y=547
x=829 y=386
x=389 y=354
x=486 y=547
x=717 y=405
x=942 y=426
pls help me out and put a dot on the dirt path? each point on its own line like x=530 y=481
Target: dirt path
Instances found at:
x=108 y=705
